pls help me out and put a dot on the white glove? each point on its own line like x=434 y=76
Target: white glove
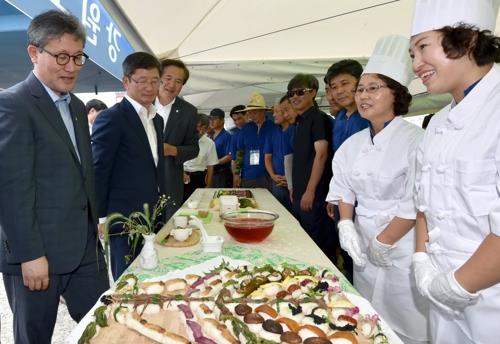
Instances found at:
x=349 y=241
x=425 y=273
x=379 y=253
x=446 y=290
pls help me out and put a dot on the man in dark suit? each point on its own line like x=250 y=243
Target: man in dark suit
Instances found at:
x=180 y=135
x=128 y=152
x=48 y=217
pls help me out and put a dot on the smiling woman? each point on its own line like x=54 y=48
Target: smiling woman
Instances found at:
x=458 y=225
x=374 y=169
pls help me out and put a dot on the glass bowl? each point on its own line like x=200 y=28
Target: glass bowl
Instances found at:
x=249 y=225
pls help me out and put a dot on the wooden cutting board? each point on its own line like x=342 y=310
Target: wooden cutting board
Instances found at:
x=169 y=240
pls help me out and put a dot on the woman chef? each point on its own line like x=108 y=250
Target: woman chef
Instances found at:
x=375 y=169
x=458 y=170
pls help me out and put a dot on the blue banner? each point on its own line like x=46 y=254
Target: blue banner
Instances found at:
x=106 y=44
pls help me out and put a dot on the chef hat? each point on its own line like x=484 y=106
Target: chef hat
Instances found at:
x=435 y=14
x=391 y=58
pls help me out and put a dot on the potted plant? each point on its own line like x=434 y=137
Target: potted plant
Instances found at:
x=138 y=226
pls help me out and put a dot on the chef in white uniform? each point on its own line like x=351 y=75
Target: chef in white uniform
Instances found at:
x=457 y=264
x=375 y=168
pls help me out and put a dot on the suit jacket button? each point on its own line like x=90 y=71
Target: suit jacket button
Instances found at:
x=84 y=207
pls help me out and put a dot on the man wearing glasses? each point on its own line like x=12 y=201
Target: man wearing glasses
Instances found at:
x=180 y=137
x=48 y=218
x=128 y=152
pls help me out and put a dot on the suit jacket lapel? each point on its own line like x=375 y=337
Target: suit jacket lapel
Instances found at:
x=172 y=118
x=50 y=111
x=80 y=132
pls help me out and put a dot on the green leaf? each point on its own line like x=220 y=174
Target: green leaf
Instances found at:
x=100 y=316
x=88 y=333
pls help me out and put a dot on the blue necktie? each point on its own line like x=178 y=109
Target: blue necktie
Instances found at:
x=62 y=105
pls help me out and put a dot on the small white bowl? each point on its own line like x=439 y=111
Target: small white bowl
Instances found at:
x=181 y=234
x=213 y=243
x=193 y=204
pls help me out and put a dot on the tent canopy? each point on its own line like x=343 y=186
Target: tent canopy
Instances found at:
x=233 y=47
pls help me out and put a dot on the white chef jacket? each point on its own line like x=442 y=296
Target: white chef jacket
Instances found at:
x=379 y=175
x=458 y=189
x=206 y=157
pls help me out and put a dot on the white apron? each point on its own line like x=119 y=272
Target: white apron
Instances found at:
x=457 y=185
x=379 y=176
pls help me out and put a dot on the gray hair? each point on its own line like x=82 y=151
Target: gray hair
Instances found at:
x=53 y=25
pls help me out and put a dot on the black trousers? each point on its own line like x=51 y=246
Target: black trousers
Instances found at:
x=35 y=312
x=222 y=179
x=196 y=180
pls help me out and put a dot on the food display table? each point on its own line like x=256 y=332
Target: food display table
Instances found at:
x=287 y=244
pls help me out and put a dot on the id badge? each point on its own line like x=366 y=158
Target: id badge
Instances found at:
x=254 y=157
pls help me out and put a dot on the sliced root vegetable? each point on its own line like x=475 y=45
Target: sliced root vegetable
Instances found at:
x=267 y=310
x=312 y=329
x=343 y=337
x=290 y=323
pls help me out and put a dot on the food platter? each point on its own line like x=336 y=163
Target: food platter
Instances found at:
x=245 y=198
x=220 y=301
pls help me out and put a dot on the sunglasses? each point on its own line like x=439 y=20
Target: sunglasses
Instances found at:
x=300 y=92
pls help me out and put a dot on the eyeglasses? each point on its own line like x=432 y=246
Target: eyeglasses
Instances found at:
x=300 y=92
x=144 y=82
x=370 y=89
x=62 y=59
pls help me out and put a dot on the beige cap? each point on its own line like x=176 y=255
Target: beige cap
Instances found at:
x=391 y=58
x=434 y=14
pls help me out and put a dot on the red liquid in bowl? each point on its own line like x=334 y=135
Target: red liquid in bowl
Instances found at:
x=249 y=230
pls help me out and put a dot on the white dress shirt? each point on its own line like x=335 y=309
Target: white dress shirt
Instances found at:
x=146 y=116
x=206 y=157
x=164 y=111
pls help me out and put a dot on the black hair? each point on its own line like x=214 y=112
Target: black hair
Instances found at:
x=426 y=120
x=285 y=97
x=139 y=60
x=464 y=39
x=237 y=110
x=303 y=80
x=177 y=63
x=54 y=24
x=95 y=104
x=402 y=97
x=348 y=66
x=203 y=120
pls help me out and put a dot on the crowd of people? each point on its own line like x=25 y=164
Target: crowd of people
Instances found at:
x=411 y=217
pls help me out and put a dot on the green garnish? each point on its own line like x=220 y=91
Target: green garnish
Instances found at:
x=88 y=334
x=100 y=316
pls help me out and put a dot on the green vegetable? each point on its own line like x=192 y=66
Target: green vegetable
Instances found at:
x=100 y=316
x=88 y=334
x=115 y=312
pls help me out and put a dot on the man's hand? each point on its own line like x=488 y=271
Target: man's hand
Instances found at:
x=169 y=150
x=100 y=230
x=280 y=180
x=330 y=210
x=236 y=181
x=36 y=274
x=307 y=200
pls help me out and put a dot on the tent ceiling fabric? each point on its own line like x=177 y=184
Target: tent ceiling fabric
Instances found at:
x=233 y=47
